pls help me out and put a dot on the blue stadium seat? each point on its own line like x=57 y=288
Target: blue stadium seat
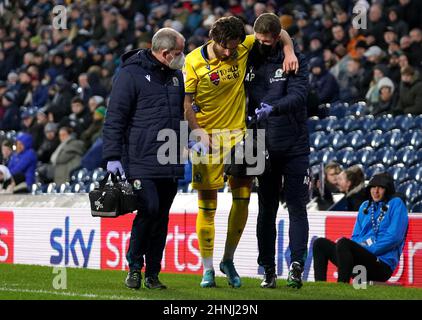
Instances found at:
x=337 y=140
x=11 y=135
x=314 y=157
x=346 y=157
x=374 y=169
x=328 y=124
x=394 y=138
x=81 y=175
x=385 y=123
x=349 y=123
x=386 y=156
x=36 y=188
x=64 y=188
x=312 y=122
x=366 y=156
x=356 y=139
x=406 y=155
x=413 y=138
x=398 y=172
x=415 y=174
x=417 y=207
x=418 y=121
x=91 y=186
x=318 y=140
x=338 y=110
x=52 y=188
x=404 y=122
x=367 y=123
x=409 y=189
x=98 y=174
x=78 y=187
x=327 y=155
x=375 y=139
x=358 y=109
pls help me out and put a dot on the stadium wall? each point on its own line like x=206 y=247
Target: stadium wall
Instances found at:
x=58 y=230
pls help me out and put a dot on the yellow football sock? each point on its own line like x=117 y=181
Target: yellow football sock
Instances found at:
x=237 y=220
x=205 y=229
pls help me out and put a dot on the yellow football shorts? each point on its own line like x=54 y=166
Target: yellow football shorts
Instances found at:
x=208 y=170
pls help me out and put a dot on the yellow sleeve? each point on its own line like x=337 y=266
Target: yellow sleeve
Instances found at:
x=249 y=41
x=191 y=78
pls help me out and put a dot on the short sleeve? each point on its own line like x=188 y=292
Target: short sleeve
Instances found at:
x=190 y=76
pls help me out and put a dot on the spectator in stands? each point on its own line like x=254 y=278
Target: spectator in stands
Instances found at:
x=67 y=156
x=410 y=100
x=400 y=27
x=61 y=94
x=49 y=144
x=376 y=24
x=351 y=182
x=95 y=129
x=394 y=67
x=379 y=78
x=24 y=161
x=416 y=47
x=351 y=82
x=323 y=82
x=387 y=99
x=11 y=117
x=95 y=102
x=6 y=151
x=377 y=240
x=31 y=126
x=6 y=181
x=80 y=118
x=324 y=193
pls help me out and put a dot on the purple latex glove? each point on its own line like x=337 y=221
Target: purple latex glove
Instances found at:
x=114 y=166
x=264 y=111
x=198 y=147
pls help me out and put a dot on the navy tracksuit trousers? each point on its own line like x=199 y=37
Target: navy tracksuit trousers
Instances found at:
x=290 y=174
x=149 y=229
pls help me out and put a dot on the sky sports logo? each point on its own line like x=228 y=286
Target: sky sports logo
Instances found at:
x=6 y=237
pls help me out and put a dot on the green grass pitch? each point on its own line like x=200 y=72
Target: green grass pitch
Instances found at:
x=36 y=282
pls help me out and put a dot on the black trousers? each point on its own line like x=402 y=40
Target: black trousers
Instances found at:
x=291 y=174
x=346 y=254
x=149 y=229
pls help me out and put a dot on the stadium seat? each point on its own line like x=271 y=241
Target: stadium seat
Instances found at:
x=78 y=187
x=418 y=121
x=394 y=138
x=415 y=174
x=337 y=140
x=91 y=186
x=346 y=157
x=36 y=188
x=314 y=158
x=356 y=139
x=80 y=175
x=358 y=109
x=52 y=188
x=398 y=172
x=406 y=155
x=98 y=174
x=349 y=123
x=338 y=110
x=404 y=122
x=366 y=156
x=375 y=139
x=374 y=169
x=417 y=207
x=328 y=124
x=312 y=122
x=318 y=140
x=367 y=123
x=385 y=123
x=409 y=189
x=11 y=135
x=413 y=138
x=64 y=188
x=386 y=156
x=327 y=155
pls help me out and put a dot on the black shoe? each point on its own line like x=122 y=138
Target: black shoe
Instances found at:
x=133 y=280
x=154 y=283
x=294 y=280
x=270 y=279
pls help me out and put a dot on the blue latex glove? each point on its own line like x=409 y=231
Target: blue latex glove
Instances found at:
x=264 y=111
x=196 y=108
x=114 y=166
x=198 y=147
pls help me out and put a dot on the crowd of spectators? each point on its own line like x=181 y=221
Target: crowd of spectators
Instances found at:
x=54 y=83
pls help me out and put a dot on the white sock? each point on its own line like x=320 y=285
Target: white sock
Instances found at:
x=208 y=264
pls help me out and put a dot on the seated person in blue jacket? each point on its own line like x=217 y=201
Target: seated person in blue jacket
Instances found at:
x=377 y=240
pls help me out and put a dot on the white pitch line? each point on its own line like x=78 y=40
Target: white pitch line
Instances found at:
x=70 y=294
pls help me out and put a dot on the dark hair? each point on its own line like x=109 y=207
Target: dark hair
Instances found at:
x=77 y=100
x=355 y=175
x=226 y=29
x=267 y=23
x=7 y=143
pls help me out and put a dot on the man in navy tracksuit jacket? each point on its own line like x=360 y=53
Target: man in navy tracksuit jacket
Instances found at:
x=279 y=101
x=147 y=96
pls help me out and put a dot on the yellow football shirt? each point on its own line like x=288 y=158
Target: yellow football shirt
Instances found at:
x=217 y=87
